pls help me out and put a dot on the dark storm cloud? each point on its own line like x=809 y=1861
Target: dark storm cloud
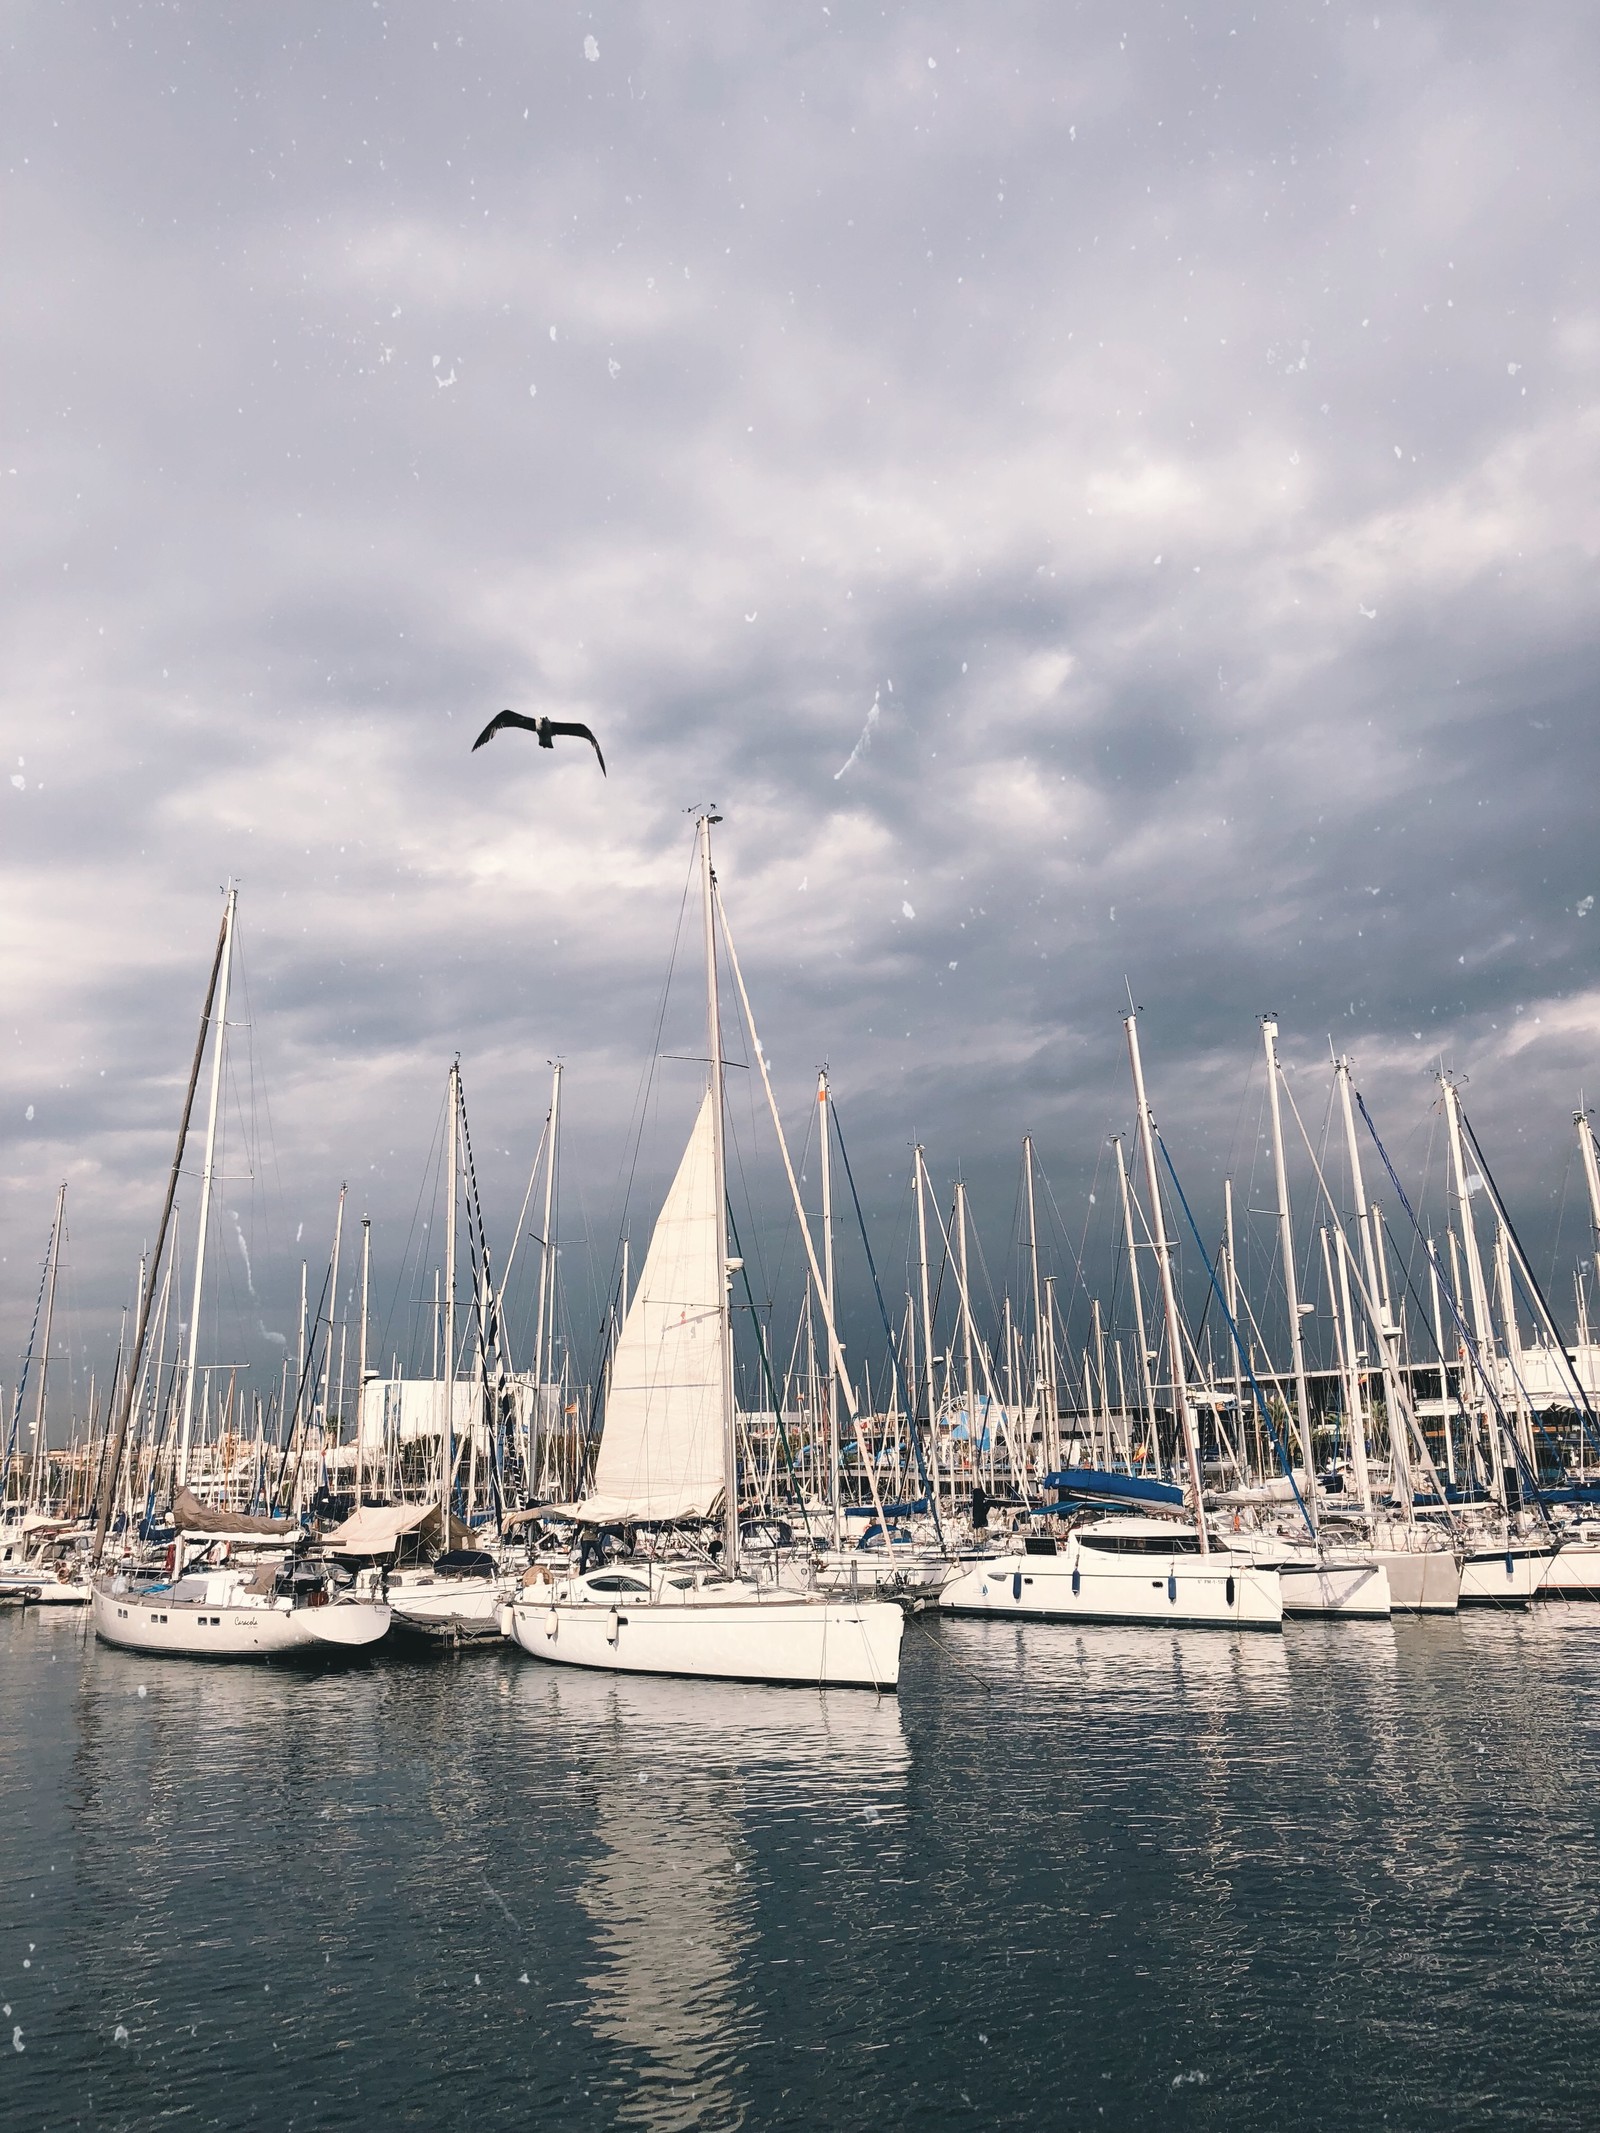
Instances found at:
x=1179 y=427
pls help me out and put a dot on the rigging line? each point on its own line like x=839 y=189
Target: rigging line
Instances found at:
x=1561 y=1213
x=1238 y=1120
x=1093 y=1202
x=1522 y=1258
x=111 y=1400
x=647 y=1077
x=1448 y=1398
x=996 y=1315
x=22 y=1381
x=766 y=1372
x=485 y=1321
x=1484 y=1379
x=1261 y=1398
x=991 y=1396
x=1075 y=1251
x=250 y=1053
x=485 y=1315
x=1016 y=1249
x=308 y=1376
x=1434 y=1114
x=894 y=1352
x=516 y=1234
x=434 y=1156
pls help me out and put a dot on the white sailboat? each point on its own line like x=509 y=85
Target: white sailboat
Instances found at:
x=244 y=1592
x=236 y=1588
x=668 y=1456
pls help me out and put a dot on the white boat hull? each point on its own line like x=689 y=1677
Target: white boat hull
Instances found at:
x=1355 y=1588
x=914 y=1572
x=58 y=1592
x=1215 y=1591
x=449 y=1609
x=1422 y=1581
x=149 y=1620
x=1506 y=1576
x=789 y=1641
x=1572 y=1573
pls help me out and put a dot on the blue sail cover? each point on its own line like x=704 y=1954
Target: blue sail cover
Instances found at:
x=1093 y=1484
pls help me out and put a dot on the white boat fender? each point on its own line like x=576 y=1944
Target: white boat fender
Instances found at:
x=611 y=1626
x=505 y=1621
x=552 y=1622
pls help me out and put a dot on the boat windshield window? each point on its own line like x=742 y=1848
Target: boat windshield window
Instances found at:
x=616 y=1583
x=1141 y=1543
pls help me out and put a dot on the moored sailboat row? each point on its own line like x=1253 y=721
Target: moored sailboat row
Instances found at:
x=1148 y=1506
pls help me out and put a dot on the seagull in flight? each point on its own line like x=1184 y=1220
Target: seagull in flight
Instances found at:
x=545 y=728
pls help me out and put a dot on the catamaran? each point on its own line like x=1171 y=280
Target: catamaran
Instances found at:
x=668 y=1459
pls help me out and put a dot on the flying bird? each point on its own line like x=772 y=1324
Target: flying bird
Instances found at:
x=545 y=728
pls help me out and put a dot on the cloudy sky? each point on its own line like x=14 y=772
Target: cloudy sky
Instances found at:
x=1099 y=496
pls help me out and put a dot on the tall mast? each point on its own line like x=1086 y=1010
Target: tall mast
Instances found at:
x=1137 y=1289
x=112 y=1466
x=39 y=1461
x=448 y=1376
x=927 y=1318
x=333 y=1305
x=543 y=1361
x=1169 y=1297
x=1291 y=1290
x=1366 y=1217
x=1233 y=1313
x=825 y=1138
x=974 y=1441
x=361 y=1361
x=300 y=1367
x=1041 y=1373
x=1050 y=1369
x=1357 y=1407
x=1482 y=1329
x=218 y=1038
x=730 y=1435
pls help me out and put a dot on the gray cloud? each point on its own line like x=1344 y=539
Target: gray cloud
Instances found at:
x=1191 y=416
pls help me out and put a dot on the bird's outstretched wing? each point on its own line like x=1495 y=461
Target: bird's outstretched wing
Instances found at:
x=502 y=719
x=579 y=733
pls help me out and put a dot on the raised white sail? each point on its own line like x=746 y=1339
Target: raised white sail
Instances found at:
x=661 y=1449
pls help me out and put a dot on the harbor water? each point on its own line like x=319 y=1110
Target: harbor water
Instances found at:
x=1343 y=1877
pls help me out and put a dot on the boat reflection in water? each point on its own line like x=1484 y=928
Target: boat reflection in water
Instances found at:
x=684 y=1775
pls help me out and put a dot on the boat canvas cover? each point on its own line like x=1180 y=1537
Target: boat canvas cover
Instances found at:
x=661 y=1448
x=1091 y=1484
x=376 y=1528
x=190 y=1515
